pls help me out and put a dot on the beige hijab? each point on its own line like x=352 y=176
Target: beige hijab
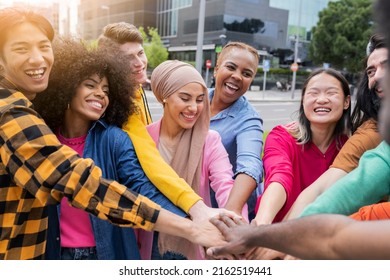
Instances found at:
x=168 y=78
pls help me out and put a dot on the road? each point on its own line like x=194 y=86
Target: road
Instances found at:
x=272 y=113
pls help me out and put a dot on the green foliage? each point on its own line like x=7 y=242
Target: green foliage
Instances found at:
x=282 y=71
x=92 y=44
x=342 y=33
x=154 y=49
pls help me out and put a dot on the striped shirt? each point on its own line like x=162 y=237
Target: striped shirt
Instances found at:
x=36 y=170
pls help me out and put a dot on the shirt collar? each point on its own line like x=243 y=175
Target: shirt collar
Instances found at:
x=232 y=109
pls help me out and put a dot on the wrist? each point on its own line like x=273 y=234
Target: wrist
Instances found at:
x=198 y=209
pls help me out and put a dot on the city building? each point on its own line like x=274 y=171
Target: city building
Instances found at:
x=95 y=14
x=303 y=16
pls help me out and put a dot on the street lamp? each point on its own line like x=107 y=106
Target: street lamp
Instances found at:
x=222 y=37
x=199 y=41
x=105 y=7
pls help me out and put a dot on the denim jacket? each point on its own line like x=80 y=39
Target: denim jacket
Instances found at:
x=112 y=150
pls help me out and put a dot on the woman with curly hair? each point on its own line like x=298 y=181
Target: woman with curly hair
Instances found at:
x=87 y=101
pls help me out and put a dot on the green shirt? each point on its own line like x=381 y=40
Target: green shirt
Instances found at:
x=367 y=184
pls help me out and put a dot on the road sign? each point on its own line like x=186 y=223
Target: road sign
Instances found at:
x=208 y=63
x=266 y=65
x=294 y=67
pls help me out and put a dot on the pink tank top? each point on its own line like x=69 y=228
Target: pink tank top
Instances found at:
x=75 y=224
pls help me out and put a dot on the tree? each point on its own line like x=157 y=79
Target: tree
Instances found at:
x=341 y=35
x=154 y=49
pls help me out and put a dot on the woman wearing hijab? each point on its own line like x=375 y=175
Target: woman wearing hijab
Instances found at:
x=184 y=140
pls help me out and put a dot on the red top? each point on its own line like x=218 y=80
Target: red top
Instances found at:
x=294 y=166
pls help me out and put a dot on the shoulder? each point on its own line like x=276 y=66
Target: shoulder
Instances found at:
x=244 y=105
x=212 y=134
x=111 y=133
x=280 y=134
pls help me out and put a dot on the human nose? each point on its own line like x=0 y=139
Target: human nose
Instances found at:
x=138 y=61
x=322 y=98
x=237 y=75
x=379 y=73
x=36 y=56
x=99 y=92
x=192 y=107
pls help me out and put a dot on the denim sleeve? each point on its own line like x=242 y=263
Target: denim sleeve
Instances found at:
x=132 y=175
x=249 y=142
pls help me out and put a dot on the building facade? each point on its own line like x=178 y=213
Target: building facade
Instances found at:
x=95 y=14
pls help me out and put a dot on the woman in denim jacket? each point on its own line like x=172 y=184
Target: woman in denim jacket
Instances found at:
x=86 y=103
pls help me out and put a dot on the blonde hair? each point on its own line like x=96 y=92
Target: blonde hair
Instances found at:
x=238 y=45
x=119 y=33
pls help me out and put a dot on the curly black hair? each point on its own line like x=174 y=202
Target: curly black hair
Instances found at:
x=74 y=63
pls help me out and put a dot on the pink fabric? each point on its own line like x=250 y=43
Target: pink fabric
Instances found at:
x=216 y=168
x=75 y=225
x=292 y=165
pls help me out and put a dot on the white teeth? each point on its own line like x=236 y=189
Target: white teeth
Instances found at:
x=231 y=86
x=321 y=110
x=36 y=74
x=96 y=104
x=189 y=116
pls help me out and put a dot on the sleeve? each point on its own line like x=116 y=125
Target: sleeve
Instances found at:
x=219 y=168
x=35 y=159
x=278 y=159
x=133 y=176
x=166 y=180
x=249 y=142
x=367 y=184
x=362 y=140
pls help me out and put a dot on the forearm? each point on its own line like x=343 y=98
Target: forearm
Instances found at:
x=242 y=189
x=305 y=238
x=309 y=194
x=272 y=200
x=201 y=232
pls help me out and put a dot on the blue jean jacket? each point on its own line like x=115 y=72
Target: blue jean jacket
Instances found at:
x=112 y=150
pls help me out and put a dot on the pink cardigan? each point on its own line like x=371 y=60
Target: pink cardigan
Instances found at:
x=217 y=173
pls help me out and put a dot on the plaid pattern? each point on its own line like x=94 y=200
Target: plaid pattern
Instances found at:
x=36 y=170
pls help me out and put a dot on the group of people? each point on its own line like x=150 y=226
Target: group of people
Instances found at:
x=86 y=174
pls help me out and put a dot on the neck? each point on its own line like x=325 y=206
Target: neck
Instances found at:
x=73 y=127
x=217 y=105
x=170 y=132
x=322 y=136
x=8 y=84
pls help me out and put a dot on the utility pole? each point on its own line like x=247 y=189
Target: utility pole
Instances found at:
x=294 y=79
x=199 y=41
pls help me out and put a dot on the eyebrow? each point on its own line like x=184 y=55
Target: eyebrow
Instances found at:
x=27 y=43
x=189 y=95
x=245 y=69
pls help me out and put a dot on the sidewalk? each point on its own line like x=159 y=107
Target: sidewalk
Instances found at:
x=261 y=96
x=273 y=95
